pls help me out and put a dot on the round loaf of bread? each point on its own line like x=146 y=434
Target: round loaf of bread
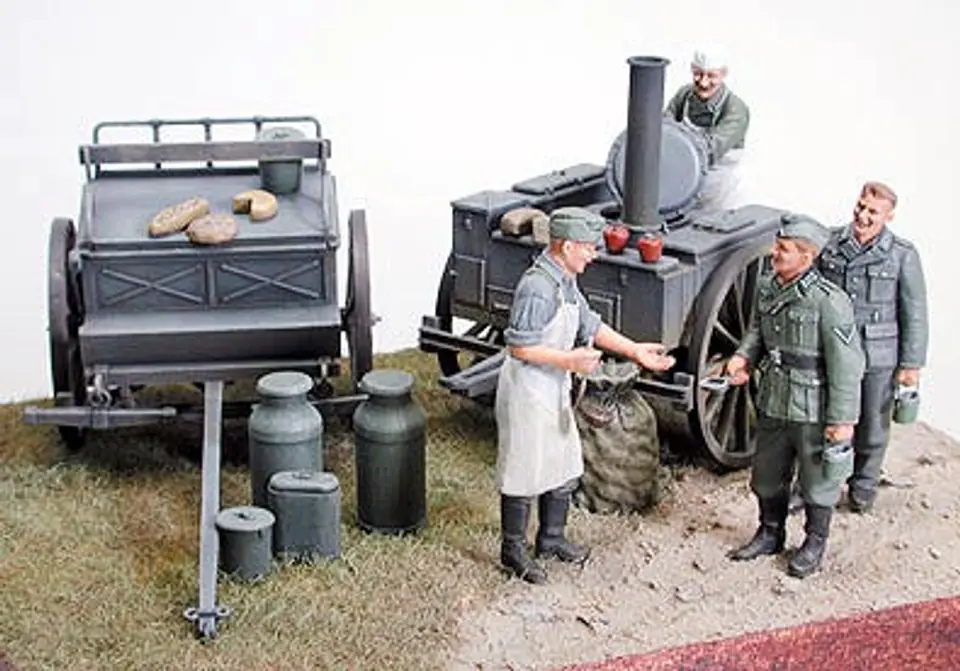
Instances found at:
x=213 y=229
x=177 y=217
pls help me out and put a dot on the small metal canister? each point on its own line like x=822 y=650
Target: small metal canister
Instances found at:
x=906 y=404
x=246 y=542
x=285 y=431
x=307 y=506
x=837 y=461
x=281 y=175
x=390 y=436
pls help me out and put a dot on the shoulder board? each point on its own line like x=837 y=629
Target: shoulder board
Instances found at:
x=734 y=99
x=902 y=242
x=536 y=270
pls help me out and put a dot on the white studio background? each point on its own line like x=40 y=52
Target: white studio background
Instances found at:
x=427 y=101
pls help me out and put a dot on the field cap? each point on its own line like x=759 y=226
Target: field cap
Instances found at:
x=576 y=224
x=804 y=228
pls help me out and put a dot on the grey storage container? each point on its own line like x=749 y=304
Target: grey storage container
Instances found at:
x=307 y=506
x=390 y=436
x=285 y=431
x=281 y=175
x=246 y=542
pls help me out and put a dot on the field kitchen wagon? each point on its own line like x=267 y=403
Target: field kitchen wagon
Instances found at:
x=697 y=298
x=128 y=309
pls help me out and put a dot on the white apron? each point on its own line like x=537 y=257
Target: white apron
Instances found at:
x=537 y=449
x=722 y=185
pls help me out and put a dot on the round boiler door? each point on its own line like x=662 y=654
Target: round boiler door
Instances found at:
x=683 y=164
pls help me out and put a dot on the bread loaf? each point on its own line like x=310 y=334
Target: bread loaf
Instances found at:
x=212 y=229
x=177 y=217
x=259 y=204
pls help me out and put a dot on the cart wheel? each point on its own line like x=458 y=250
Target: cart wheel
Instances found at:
x=450 y=363
x=723 y=422
x=63 y=321
x=358 y=317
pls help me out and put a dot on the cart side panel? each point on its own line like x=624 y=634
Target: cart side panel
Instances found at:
x=125 y=282
x=272 y=302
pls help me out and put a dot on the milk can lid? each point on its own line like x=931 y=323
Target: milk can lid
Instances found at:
x=303 y=481
x=284 y=384
x=245 y=518
x=387 y=382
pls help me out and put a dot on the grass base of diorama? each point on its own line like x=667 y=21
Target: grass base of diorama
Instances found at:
x=99 y=549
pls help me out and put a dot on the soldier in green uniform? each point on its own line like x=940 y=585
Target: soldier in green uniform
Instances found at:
x=883 y=275
x=805 y=345
x=550 y=334
x=710 y=109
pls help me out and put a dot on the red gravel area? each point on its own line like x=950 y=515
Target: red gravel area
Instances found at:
x=923 y=635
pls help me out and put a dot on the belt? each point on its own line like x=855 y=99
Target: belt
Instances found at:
x=797 y=361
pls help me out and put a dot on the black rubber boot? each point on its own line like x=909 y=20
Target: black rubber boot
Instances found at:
x=806 y=560
x=514 y=518
x=770 y=535
x=860 y=501
x=551 y=542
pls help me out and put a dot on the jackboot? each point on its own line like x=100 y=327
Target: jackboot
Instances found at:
x=551 y=542
x=806 y=560
x=514 y=519
x=770 y=535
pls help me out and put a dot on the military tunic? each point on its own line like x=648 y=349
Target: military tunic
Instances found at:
x=805 y=346
x=885 y=282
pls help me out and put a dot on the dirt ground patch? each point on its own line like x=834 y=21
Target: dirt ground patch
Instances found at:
x=662 y=579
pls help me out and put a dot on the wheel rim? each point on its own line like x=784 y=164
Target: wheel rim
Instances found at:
x=724 y=421
x=448 y=361
x=66 y=365
x=358 y=315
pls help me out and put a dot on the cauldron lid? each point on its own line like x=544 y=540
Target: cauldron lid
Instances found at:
x=683 y=164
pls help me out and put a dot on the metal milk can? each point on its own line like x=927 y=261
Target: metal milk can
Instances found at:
x=307 y=506
x=246 y=542
x=390 y=454
x=285 y=431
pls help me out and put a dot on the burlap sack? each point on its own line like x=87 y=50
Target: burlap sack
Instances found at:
x=213 y=229
x=621 y=448
x=177 y=217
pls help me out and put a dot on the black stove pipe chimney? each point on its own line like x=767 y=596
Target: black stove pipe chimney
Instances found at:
x=641 y=175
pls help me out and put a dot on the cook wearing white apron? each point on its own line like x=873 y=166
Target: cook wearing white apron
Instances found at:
x=721 y=119
x=539 y=449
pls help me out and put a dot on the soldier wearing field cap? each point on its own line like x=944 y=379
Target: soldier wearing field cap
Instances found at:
x=551 y=333
x=708 y=107
x=804 y=342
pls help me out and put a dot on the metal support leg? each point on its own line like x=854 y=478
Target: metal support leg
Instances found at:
x=208 y=613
